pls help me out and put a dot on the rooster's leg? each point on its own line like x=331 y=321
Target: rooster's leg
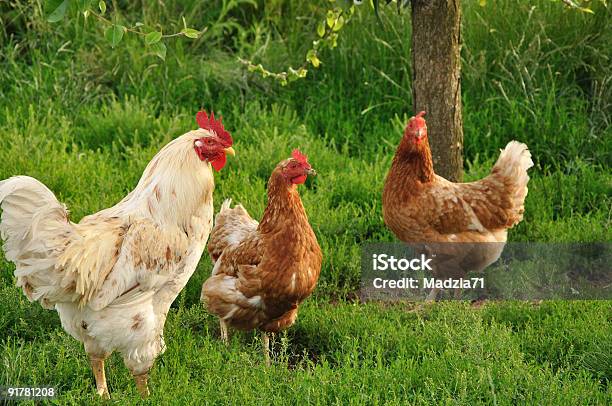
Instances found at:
x=97 y=366
x=265 y=339
x=141 y=384
x=432 y=295
x=224 y=332
x=140 y=371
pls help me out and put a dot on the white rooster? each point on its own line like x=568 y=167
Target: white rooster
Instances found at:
x=113 y=276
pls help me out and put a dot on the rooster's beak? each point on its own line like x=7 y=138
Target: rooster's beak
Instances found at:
x=230 y=151
x=311 y=172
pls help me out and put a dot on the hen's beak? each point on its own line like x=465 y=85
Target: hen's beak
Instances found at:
x=311 y=172
x=230 y=151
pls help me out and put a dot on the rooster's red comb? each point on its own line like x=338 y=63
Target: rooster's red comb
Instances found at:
x=301 y=158
x=210 y=124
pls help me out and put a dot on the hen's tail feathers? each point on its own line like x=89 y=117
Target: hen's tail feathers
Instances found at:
x=227 y=204
x=35 y=229
x=231 y=226
x=512 y=166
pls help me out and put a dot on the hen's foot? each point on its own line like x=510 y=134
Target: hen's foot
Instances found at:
x=433 y=295
x=224 y=332
x=479 y=302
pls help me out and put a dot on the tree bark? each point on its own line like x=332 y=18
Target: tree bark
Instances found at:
x=436 y=86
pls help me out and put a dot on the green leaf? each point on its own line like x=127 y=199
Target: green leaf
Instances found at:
x=333 y=40
x=58 y=12
x=138 y=24
x=190 y=33
x=159 y=49
x=293 y=75
x=321 y=29
x=482 y=3
x=153 y=37
x=102 y=6
x=114 y=34
x=311 y=57
x=339 y=23
x=331 y=18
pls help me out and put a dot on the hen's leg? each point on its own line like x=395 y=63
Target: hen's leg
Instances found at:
x=285 y=321
x=97 y=366
x=265 y=339
x=432 y=295
x=224 y=332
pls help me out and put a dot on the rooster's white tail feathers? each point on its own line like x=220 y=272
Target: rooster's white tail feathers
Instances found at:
x=35 y=229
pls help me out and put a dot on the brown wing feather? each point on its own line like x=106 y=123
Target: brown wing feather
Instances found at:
x=247 y=252
x=467 y=207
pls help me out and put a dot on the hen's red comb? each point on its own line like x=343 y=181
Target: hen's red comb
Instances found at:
x=301 y=158
x=210 y=124
x=421 y=114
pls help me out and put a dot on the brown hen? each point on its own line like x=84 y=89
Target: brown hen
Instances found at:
x=263 y=271
x=423 y=208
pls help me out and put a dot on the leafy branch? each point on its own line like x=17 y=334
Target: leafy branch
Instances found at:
x=327 y=32
x=114 y=32
x=329 y=28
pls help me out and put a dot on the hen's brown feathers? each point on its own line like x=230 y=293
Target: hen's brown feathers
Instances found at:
x=421 y=207
x=263 y=271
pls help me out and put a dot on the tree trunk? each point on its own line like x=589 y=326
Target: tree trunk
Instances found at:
x=436 y=87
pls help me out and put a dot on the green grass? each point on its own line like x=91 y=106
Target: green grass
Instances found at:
x=85 y=120
x=555 y=353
